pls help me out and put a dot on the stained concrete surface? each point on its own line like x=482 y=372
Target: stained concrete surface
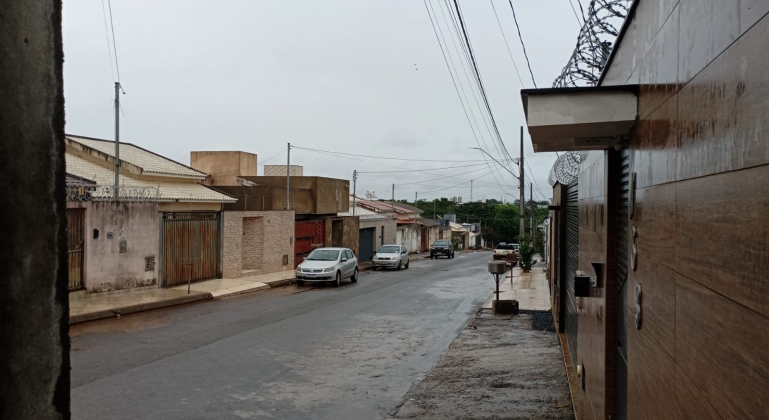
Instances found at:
x=291 y=353
x=499 y=367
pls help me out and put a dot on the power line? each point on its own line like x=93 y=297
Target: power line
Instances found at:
x=575 y=13
x=478 y=79
x=114 y=46
x=481 y=87
x=522 y=45
x=384 y=157
x=106 y=34
x=420 y=170
x=432 y=22
x=510 y=53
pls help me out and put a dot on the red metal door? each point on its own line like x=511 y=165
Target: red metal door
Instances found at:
x=308 y=236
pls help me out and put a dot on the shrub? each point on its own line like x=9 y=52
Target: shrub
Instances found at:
x=526 y=250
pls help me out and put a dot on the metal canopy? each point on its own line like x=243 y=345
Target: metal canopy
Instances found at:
x=582 y=118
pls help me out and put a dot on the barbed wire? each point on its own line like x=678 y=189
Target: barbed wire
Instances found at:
x=565 y=169
x=585 y=65
x=93 y=192
x=594 y=43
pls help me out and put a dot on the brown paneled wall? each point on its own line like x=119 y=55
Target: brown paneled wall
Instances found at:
x=700 y=151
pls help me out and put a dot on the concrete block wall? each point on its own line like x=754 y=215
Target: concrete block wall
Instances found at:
x=268 y=237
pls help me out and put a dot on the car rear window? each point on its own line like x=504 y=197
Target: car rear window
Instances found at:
x=505 y=246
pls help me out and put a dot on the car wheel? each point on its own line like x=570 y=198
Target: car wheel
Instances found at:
x=300 y=282
x=432 y=257
x=407 y=263
x=399 y=265
x=354 y=277
x=338 y=280
x=373 y=268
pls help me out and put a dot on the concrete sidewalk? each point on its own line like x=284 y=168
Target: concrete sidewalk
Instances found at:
x=531 y=290
x=230 y=287
x=92 y=306
x=83 y=308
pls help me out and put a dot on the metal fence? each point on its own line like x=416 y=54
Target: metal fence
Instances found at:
x=94 y=192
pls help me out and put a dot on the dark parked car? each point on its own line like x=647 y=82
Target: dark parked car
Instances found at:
x=442 y=247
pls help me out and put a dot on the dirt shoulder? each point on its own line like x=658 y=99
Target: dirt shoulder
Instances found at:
x=499 y=367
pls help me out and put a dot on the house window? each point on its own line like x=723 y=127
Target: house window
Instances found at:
x=149 y=263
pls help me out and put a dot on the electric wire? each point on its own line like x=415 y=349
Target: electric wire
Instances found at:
x=114 y=45
x=385 y=157
x=479 y=80
x=575 y=13
x=432 y=22
x=509 y=52
x=522 y=45
x=467 y=61
x=106 y=34
x=420 y=170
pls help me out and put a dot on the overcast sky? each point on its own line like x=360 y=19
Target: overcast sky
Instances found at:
x=355 y=76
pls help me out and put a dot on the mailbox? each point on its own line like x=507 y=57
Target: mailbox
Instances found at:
x=581 y=284
x=497 y=267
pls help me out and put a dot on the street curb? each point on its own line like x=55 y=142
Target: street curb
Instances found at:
x=130 y=309
x=244 y=291
x=279 y=283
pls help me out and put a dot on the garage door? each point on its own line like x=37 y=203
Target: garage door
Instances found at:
x=366 y=247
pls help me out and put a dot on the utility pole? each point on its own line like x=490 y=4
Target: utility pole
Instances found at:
x=434 y=209
x=354 y=189
x=392 y=202
x=522 y=227
x=531 y=201
x=471 y=190
x=288 y=179
x=117 y=141
x=415 y=198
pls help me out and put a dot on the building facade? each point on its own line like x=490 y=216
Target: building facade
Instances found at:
x=257 y=242
x=658 y=248
x=162 y=229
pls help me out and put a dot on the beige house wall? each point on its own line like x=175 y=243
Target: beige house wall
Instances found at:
x=257 y=242
x=389 y=231
x=105 y=268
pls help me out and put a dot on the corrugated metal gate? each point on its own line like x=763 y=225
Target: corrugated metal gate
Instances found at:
x=621 y=170
x=308 y=236
x=75 y=242
x=571 y=265
x=190 y=247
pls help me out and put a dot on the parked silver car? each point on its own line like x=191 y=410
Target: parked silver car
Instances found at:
x=391 y=256
x=328 y=265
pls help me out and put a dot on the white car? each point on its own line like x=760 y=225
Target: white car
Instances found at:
x=328 y=265
x=391 y=256
x=503 y=250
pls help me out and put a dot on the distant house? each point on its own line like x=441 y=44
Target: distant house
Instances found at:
x=376 y=229
x=163 y=228
x=260 y=215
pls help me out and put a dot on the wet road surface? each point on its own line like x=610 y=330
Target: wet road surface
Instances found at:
x=290 y=353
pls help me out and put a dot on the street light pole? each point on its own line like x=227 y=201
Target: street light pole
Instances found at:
x=354 y=189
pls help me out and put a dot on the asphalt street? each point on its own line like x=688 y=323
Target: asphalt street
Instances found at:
x=311 y=352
